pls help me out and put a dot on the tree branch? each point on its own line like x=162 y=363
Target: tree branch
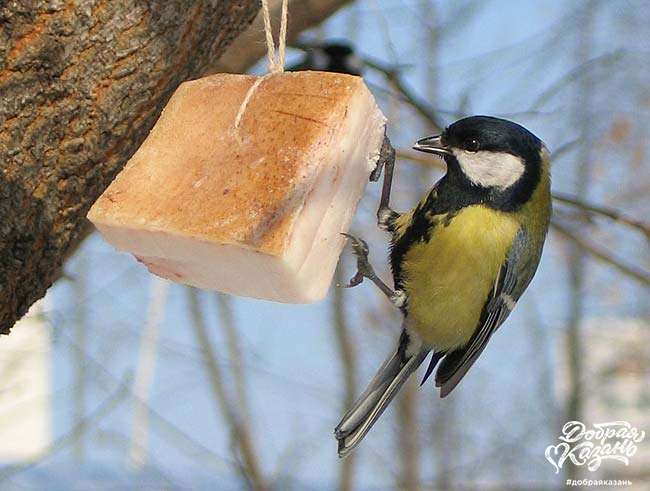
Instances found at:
x=78 y=430
x=639 y=275
x=348 y=360
x=394 y=77
x=81 y=85
x=145 y=372
x=251 y=470
x=235 y=354
x=610 y=213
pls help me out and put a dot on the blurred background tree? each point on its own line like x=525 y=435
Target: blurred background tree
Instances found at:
x=239 y=393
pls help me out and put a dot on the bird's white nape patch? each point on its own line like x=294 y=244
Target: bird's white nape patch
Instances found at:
x=490 y=169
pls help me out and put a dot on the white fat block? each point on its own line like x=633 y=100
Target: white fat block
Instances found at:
x=256 y=210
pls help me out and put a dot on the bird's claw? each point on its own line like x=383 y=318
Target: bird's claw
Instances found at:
x=376 y=172
x=357 y=279
x=364 y=269
x=359 y=246
x=386 y=154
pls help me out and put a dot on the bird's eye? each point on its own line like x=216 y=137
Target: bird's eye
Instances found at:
x=472 y=145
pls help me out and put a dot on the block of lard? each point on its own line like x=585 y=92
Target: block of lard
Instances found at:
x=255 y=209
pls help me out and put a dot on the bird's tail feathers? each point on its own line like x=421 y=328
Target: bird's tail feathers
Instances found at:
x=392 y=374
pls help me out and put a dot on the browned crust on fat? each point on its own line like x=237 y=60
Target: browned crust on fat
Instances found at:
x=192 y=177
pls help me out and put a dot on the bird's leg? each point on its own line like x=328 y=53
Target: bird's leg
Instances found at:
x=385 y=215
x=365 y=270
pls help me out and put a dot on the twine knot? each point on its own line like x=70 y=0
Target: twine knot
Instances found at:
x=275 y=59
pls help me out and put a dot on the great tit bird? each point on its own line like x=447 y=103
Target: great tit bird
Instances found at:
x=332 y=56
x=460 y=259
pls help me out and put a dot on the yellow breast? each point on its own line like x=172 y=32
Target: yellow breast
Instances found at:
x=448 y=278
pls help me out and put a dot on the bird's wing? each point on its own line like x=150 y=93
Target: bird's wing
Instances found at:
x=514 y=276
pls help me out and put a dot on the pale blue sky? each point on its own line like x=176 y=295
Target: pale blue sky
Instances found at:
x=502 y=58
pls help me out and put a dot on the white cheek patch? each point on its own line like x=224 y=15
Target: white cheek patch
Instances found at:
x=490 y=169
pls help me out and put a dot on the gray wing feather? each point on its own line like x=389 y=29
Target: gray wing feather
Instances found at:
x=514 y=276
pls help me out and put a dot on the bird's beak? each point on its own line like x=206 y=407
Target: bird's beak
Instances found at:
x=432 y=144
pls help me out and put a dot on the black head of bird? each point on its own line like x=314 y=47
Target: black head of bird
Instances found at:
x=336 y=57
x=493 y=159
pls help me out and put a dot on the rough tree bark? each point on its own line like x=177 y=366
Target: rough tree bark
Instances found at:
x=81 y=84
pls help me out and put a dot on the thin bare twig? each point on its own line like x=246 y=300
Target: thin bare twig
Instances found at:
x=575 y=74
x=349 y=362
x=564 y=148
x=235 y=354
x=77 y=431
x=610 y=213
x=577 y=263
x=188 y=445
x=81 y=324
x=250 y=470
x=394 y=77
x=146 y=368
x=637 y=274
x=407 y=438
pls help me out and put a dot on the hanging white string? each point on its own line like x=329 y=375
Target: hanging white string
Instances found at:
x=275 y=58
